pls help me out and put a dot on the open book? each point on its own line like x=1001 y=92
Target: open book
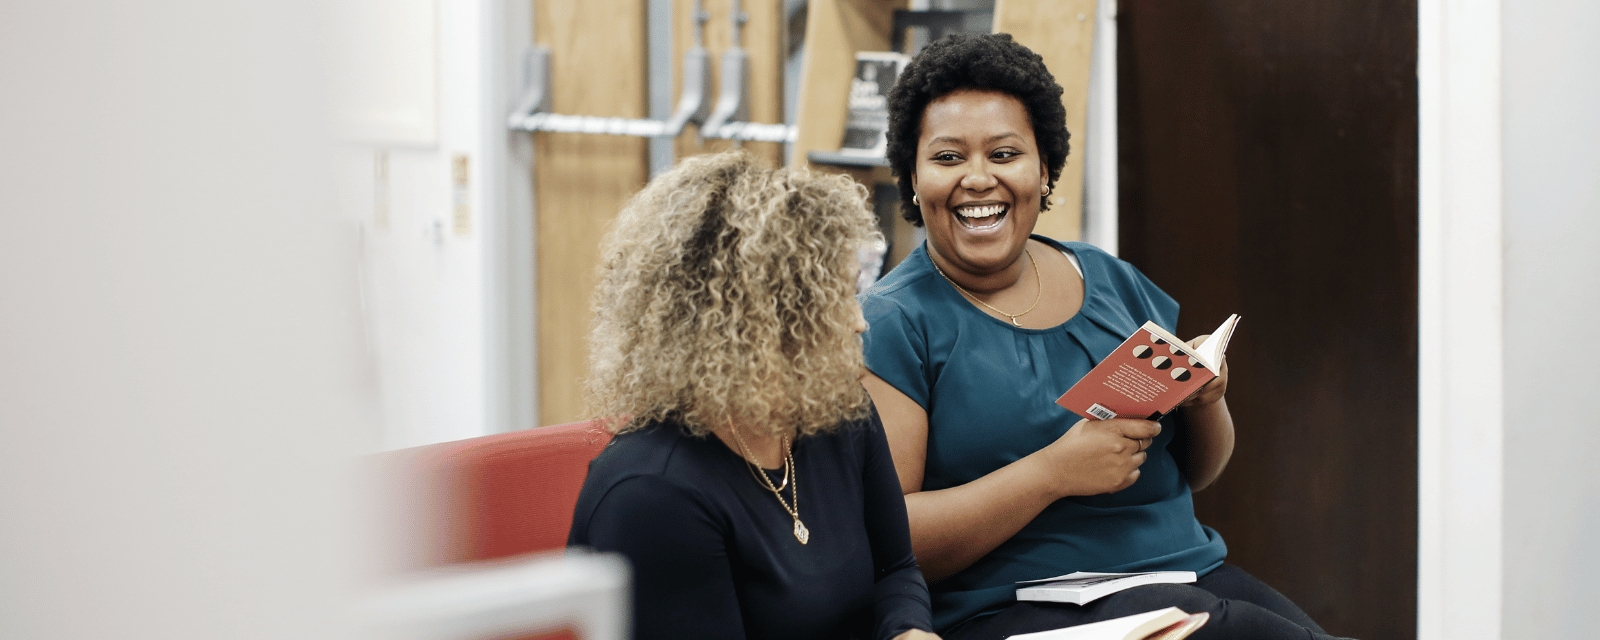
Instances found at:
x=1148 y=375
x=1085 y=586
x=1170 y=623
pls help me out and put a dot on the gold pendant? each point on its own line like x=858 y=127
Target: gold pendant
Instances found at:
x=1014 y=322
x=801 y=533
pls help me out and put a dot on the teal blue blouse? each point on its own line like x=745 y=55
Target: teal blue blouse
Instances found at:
x=989 y=389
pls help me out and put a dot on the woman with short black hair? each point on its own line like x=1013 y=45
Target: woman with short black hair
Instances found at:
x=974 y=335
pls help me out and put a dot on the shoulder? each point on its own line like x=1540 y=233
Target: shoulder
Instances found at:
x=845 y=450
x=646 y=450
x=907 y=293
x=650 y=469
x=1100 y=266
x=856 y=435
x=903 y=283
x=1115 y=287
x=1094 y=260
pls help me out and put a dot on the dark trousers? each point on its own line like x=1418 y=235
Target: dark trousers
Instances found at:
x=1241 y=608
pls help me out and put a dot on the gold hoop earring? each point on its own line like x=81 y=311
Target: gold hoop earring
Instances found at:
x=1046 y=190
x=915 y=201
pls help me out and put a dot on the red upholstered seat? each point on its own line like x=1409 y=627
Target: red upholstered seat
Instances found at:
x=505 y=494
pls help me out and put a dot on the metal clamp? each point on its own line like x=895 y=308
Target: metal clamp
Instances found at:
x=725 y=121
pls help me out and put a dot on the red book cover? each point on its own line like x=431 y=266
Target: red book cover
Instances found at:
x=1148 y=375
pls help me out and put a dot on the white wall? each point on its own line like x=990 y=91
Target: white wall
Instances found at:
x=1460 y=464
x=1552 y=299
x=1508 y=286
x=433 y=294
x=181 y=356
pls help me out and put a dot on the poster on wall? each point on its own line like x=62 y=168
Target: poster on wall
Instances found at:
x=867 y=122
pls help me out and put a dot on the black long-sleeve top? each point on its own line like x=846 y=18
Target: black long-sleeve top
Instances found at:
x=714 y=555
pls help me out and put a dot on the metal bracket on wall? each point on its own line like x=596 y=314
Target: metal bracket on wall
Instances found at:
x=735 y=70
x=532 y=114
x=692 y=103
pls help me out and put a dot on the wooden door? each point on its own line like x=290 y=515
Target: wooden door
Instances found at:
x=1269 y=168
x=581 y=180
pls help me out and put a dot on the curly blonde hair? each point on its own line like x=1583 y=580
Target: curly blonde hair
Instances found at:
x=726 y=295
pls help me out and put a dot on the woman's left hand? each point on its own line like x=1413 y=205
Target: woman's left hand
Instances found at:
x=917 y=634
x=1213 y=390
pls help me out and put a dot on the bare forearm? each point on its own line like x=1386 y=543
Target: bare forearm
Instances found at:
x=1210 y=442
x=953 y=528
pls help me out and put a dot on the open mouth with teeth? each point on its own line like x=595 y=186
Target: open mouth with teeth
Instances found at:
x=979 y=217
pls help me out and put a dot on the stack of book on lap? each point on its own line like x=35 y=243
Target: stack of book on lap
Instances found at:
x=1085 y=586
x=1170 y=623
x=1082 y=587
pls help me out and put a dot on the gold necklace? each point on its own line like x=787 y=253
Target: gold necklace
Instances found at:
x=1012 y=316
x=801 y=533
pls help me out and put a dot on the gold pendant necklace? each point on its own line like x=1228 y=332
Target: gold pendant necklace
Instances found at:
x=1012 y=316
x=801 y=533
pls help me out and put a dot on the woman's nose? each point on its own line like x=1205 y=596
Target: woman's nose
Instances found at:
x=978 y=177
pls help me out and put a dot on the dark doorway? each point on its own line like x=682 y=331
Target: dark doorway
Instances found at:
x=1269 y=168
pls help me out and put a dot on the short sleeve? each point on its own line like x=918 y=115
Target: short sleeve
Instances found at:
x=895 y=351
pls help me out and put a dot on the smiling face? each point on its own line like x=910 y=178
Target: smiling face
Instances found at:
x=979 y=177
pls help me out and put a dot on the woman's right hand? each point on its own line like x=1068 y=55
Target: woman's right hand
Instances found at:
x=1099 y=456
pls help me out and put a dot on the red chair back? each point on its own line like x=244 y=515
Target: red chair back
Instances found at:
x=505 y=494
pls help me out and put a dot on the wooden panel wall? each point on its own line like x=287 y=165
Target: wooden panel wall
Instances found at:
x=1269 y=166
x=835 y=31
x=1062 y=32
x=597 y=62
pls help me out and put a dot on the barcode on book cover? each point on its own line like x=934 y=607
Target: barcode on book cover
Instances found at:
x=1100 y=412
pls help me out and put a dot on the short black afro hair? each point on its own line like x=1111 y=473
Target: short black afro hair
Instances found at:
x=992 y=62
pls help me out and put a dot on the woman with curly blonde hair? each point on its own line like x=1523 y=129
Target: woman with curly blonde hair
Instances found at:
x=725 y=337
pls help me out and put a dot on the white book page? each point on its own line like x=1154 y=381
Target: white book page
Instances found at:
x=1210 y=352
x=1134 y=626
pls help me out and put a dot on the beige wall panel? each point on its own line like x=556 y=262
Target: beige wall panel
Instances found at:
x=581 y=180
x=762 y=38
x=1062 y=31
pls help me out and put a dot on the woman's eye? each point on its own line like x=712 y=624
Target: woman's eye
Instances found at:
x=946 y=157
x=1005 y=154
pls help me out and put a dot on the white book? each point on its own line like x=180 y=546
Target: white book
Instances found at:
x=1086 y=586
x=1170 y=623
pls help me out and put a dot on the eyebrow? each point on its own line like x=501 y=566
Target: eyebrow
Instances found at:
x=991 y=139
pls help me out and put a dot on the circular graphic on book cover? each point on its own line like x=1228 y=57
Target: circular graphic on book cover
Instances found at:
x=1142 y=351
x=1180 y=374
x=1161 y=362
x=1156 y=339
x=1196 y=363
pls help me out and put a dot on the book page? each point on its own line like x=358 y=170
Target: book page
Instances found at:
x=1132 y=627
x=1210 y=351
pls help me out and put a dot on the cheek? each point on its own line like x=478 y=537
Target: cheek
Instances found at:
x=1025 y=181
x=934 y=187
